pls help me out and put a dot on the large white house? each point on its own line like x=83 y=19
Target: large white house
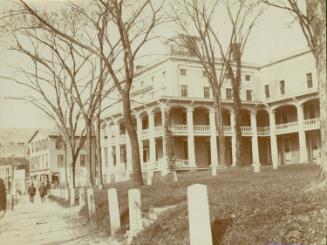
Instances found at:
x=47 y=159
x=280 y=115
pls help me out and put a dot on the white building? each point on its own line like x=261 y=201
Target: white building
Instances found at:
x=280 y=115
x=47 y=159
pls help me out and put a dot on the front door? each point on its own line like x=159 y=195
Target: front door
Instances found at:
x=287 y=149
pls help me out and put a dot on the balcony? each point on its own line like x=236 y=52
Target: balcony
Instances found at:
x=179 y=129
x=286 y=127
x=263 y=131
x=201 y=129
x=313 y=123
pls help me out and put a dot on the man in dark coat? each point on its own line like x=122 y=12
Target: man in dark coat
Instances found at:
x=31 y=192
x=3 y=198
x=43 y=191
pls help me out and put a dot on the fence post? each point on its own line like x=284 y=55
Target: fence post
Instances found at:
x=198 y=215
x=114 y=213
x=90 y=203
x=81 y=199
x=135 y=214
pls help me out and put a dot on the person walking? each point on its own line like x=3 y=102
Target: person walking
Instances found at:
x=31 y=192
x=43 y=191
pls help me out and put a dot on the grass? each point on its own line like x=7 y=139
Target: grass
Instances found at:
x=271 y=207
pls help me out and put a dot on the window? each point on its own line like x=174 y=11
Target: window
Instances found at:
x=247 y=78
x=227 y=75
x=204 y=73
x=82 y=160
x=228 y=93
x=282 y=87
x=60 y=161
x=249 y=95
x=206 y=92
x=182 y=72
x=267 y=91
x=164 y=74
x=309 y=80
x=184 y=91
x=59 y=144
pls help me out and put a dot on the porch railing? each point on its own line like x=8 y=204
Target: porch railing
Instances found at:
x=286 y=126
x=263 y=130
x=201 y=128
x=312 y=123
x=181 y=163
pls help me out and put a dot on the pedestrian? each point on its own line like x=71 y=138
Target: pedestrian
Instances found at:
x=3 y=198
x=43 y=191
x=31 y=192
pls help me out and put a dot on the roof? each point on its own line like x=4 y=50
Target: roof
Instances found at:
x=17 y=161
x=16 y=135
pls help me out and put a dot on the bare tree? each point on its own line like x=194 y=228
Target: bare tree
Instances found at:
x=311 y=17
x=208 y=45
x=126 y=27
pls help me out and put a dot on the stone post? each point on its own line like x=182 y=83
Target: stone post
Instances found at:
x=114 y=213
x=198 y=215
x=135 y=214
x=90 y=203
x=232 y=116
x=81 y=197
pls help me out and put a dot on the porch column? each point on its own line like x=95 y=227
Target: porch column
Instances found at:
x=109 y=144
x=213 y=138
x=139 y=135
x=152 y=139
x=190 y=138
x=273 y=139
x=164 y=111
x=232 y=121
x=117 y=146
x=302 y=139
x=255 y=147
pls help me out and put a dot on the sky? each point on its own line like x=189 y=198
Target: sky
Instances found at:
x=273 y=37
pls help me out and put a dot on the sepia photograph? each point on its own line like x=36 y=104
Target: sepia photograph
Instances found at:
x=163 y=122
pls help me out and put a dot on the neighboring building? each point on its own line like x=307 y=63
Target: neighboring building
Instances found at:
x=280 y=115
x=13 y=157
x=47 y=159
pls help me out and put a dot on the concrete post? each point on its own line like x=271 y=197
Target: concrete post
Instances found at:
x=81 y=197
x=198 y=215
x=255 y=146
x=114 y=213
x=190 y=138
x=302 y=139
x=90 y=203
x=135 y=214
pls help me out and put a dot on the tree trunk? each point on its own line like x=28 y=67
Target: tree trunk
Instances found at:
x=169 y=144
x=65 y=163
x=74 y=159
x=98 y=146
x=131 y=130
x=236 y=83
x=220 y=127
x=90 y=152
x=316 y=11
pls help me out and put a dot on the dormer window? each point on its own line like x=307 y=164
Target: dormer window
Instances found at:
x=309 y=80
x=282 y=87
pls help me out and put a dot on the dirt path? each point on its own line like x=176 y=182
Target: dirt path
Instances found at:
x=46 y=224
